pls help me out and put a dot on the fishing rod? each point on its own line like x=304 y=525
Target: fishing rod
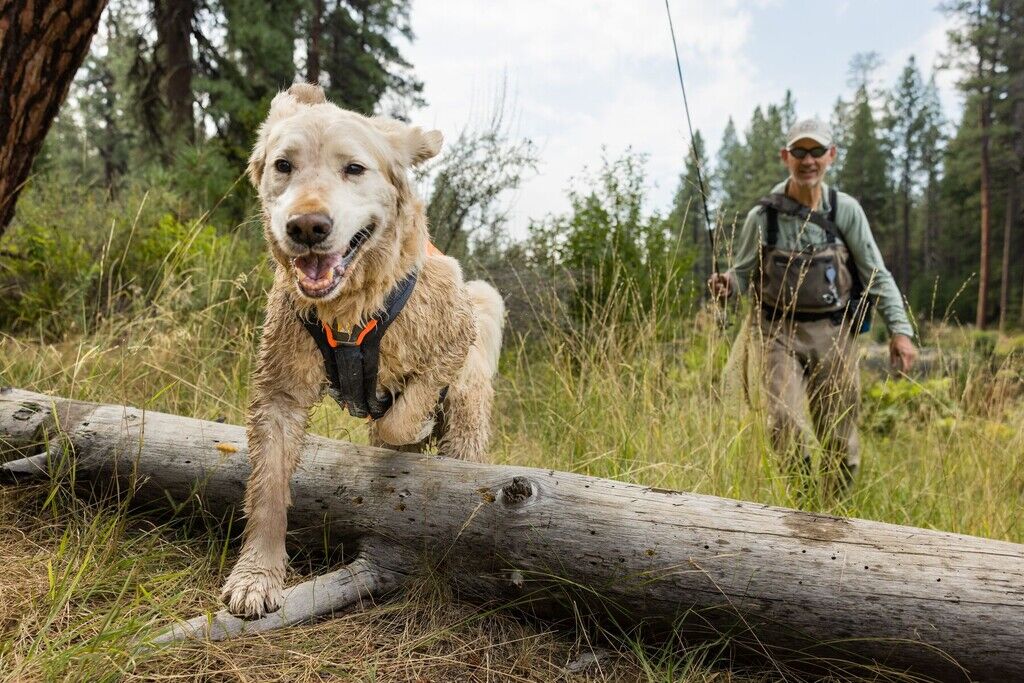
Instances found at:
x=709 y=226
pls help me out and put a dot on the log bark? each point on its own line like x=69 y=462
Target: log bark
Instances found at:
x=42 y=44
x=825 y=591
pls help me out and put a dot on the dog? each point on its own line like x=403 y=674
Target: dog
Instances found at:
x=345 y=228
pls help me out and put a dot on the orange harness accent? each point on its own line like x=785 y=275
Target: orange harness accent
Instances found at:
x=351 y=358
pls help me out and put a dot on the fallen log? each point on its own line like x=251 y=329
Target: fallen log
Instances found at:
x=832 y=593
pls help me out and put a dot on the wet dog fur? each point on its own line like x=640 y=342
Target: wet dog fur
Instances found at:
x=345 y=173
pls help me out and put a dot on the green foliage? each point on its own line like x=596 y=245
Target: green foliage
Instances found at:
x=610 y=244
x=893 y=404
x=363 y=63
x=48 y=282
x=687 y=211
x=75 y=258
x=983 y=344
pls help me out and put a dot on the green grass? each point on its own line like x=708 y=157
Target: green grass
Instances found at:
x=621 y=398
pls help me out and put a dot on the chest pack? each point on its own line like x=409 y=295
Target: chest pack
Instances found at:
x=352 y=359
x=815 y=282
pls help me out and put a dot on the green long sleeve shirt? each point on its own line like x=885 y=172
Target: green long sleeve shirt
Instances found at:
x=796 y=234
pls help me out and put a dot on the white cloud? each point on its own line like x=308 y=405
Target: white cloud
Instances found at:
x=586 y=74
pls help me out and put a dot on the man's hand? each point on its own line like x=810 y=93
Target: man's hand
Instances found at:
x=722 y=285
x=902 y=353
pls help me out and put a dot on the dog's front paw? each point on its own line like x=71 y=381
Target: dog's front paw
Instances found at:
x=251 y=592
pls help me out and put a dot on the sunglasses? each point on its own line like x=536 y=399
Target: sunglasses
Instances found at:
x=816 y=152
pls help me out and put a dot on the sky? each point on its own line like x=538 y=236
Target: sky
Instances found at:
x=584 y=76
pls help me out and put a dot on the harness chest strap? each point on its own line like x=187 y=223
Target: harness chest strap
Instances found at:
x=777 y=203
x=352 y=359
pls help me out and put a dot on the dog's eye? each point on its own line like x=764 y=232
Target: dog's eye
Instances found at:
x=354 y=169
x=283 y=166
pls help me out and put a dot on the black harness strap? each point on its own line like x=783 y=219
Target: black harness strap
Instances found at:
x=352 y=359
x=777 y=203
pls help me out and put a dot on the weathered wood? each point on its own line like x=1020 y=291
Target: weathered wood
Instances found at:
x=780 y=582
x=360 y=580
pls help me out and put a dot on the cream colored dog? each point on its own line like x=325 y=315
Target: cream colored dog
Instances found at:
x=344 y=227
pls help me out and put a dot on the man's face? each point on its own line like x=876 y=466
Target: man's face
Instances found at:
x=809 y=171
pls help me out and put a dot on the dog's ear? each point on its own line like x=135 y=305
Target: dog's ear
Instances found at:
x=413 y=144
x=283 y=105
x=257 y=160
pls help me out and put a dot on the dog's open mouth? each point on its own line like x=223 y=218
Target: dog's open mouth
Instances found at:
x=320 y=274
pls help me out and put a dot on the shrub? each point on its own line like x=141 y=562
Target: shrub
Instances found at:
x=611 y=245
x=890 y=403
x=75 y=257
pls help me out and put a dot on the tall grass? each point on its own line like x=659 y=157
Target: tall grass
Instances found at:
x=635 y=392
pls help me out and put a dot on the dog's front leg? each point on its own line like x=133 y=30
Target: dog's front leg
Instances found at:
x=411 y=419
x=286 y=384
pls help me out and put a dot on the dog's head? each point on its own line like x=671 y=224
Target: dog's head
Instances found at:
x=332 y=184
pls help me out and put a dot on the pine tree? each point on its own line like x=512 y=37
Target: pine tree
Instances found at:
x=864 y=172
x=765 y=139
x=976 y=44
x=1009 y=114
x=363 y=67
x=42 y=44
x=788 y=111
x=730 y=177
x=932 y=140
x=957 y=244
x=904 y=125
x=840 y=124
x=686 y=220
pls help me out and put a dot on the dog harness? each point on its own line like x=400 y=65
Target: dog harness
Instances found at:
x=352 y=359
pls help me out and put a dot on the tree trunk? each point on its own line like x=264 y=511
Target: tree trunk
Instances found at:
x=173 y=19
x=1004 y=278
x=930 y=233
x=905 y=248
x=1016 y=97
x=42 y=44
x=986 y=238
x=836 y=594
x=316 y=23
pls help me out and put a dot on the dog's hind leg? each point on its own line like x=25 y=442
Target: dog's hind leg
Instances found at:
x=467 y=408
x=467 y=420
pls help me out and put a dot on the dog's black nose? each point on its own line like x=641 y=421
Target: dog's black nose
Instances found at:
x=310 y=228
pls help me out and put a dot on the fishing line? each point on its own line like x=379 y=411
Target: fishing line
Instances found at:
x=709 y=226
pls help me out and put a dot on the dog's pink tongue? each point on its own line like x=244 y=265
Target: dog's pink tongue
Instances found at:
x=314 y=266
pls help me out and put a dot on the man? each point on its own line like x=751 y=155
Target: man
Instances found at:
x=808 y=256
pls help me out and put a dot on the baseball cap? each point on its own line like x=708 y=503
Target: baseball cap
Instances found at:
x=809 y=128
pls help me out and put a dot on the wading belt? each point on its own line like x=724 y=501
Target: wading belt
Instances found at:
x=352 y=359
